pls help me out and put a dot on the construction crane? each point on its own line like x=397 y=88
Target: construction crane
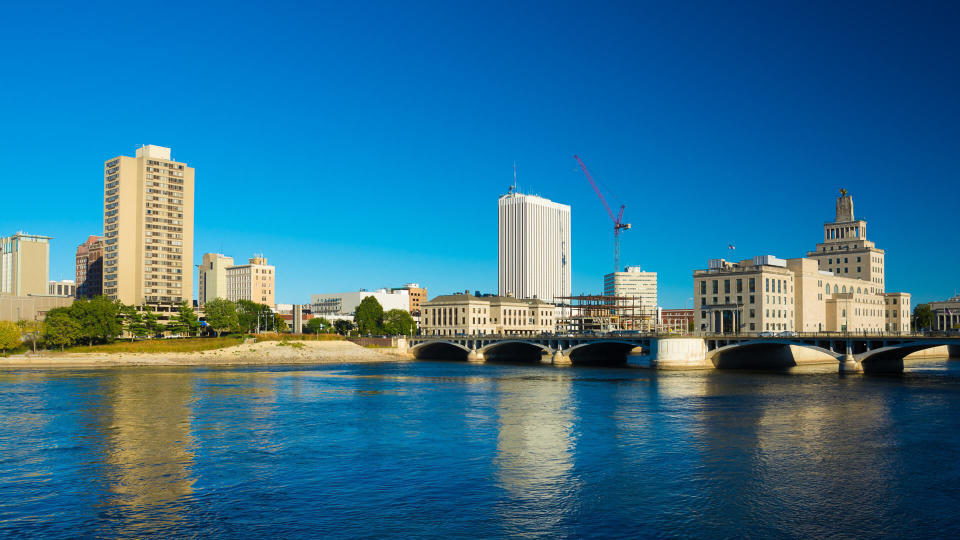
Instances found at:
x=618 y=224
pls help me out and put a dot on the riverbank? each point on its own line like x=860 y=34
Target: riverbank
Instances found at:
x=263 y=352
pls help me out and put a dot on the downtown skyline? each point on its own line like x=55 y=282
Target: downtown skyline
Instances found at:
x=358 y=166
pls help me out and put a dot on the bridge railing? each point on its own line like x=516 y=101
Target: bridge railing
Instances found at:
x=823 y=335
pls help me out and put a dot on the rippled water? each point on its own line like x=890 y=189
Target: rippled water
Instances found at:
x=448 y=449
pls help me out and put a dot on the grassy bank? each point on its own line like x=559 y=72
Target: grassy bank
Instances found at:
x=161 y=345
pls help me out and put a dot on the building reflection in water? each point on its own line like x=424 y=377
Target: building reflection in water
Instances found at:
x=773 y=451
x=534 y=459
x=149 y=447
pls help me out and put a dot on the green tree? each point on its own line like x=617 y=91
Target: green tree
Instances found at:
x=60 y=328
x=279 y=325
x=99 y=319
x=152 y=321
x=318 y=325
x=31 y=331
x=9 y=336
x=221 y=316
x=369 y=316
x=186 y=322
x=922 y=317
x=343 y=326
x=398 y=322
x=133 y=322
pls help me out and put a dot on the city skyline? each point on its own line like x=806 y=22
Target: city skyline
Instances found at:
x=864 y=107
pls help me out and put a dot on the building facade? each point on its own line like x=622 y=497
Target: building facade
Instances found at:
x=468 y=315
x=64 y=287
x=533 y=247
x=89 y=267
x=345 y=304
x=418 y=295
x=806 y=294
x=253 y=281
x=24 y=264
x=148 y=229
x=946 y=314
x=635 y=284
x=221 y=278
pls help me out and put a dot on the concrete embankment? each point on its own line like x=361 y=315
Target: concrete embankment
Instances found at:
x=264 y=352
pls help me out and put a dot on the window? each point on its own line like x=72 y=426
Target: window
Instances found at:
x=753 y=285
x=726 y=286
x=752 y=299
x=715 y=286
x=703 y=287
x=739 y=285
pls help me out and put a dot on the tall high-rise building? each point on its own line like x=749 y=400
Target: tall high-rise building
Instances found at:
x=633 y=283
x=89 y=267
x=220 y=278
x=533 y=247
x=148 y=229
x=24 y=264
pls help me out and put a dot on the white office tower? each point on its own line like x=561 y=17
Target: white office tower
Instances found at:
x=533 y=247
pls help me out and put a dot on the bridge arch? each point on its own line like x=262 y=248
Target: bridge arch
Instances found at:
x=889 y=359
x=773 y=354
x=515 y=349
x=602 y=352
x=439 y=350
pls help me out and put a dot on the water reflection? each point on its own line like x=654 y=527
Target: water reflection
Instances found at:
x=535 y=452
x=149 y=447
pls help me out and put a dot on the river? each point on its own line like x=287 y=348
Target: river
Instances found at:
x=443 y=449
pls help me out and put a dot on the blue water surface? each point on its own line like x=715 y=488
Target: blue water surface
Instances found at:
x=443 y=449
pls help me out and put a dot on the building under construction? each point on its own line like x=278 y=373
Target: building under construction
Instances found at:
x=604 y=313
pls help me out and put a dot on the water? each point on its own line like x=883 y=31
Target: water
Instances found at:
x=448 y=449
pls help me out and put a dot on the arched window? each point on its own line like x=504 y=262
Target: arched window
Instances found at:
x=828 y=288
x=844 y=288
x=858 y=290
x=836 y=289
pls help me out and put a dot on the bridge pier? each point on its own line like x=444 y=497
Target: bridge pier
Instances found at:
x=475 y=357
x=560 y=359
x=849 y=364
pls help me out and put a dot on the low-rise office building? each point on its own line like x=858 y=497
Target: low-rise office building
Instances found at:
x=24 y=264
x=470 y=315
x=418 y=295
x=64 y=287
x=946 y=314
x=346 y=303
x=221 y=278
x=897 y=311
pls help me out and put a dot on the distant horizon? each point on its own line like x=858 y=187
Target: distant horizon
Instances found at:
x=359 y=151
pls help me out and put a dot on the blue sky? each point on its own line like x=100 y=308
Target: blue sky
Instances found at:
x=364 y=144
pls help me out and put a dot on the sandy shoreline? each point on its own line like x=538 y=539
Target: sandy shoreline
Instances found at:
x=263 y=353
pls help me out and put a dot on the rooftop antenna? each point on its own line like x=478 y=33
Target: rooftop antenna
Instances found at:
x=514 y=186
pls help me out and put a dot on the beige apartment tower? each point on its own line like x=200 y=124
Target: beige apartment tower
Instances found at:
x=148 y=229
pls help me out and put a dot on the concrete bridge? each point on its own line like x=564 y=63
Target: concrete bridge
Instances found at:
x=851 y=353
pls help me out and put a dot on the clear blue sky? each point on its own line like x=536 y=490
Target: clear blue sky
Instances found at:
x=360 y=145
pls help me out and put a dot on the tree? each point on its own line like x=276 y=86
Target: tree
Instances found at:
x=369 y=316
x=60 y=328
x=30 y=332
x=317 y=325
x=133 y=322
x=398 y=322
x=9 y=336
x=343 y=326
x=99 y=319
x=922 y=317
x=151 y=321
x=279 y=325
x=185 y=322
x=221 y=315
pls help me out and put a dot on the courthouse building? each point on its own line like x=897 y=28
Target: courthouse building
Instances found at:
x=946 y=314
x=839 y=287
x=466 y=315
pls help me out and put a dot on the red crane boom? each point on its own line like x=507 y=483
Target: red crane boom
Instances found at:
x=618 y=224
